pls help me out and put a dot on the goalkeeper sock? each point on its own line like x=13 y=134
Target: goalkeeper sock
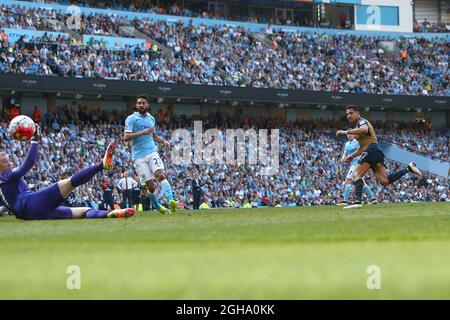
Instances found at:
x=94 y=214
x=85 y=175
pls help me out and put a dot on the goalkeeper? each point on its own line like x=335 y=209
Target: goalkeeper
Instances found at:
x=46 y=203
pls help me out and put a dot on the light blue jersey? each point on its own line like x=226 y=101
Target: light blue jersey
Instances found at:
x=143 y=145
x=351 y=147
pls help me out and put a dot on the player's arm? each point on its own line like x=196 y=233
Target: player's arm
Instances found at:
x=158 y=139
x=355 y=154
x=361 y=130
x=128 y=135
x=28 y=163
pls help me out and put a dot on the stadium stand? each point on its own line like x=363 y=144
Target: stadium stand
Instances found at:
x=427 y=26
x=235 y=57
x=176 y=8
x=194 y=10
x=225 y=55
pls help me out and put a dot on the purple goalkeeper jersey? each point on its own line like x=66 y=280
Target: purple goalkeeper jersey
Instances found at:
x=11 y=181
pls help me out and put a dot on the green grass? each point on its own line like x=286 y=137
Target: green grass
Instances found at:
x=299 y=253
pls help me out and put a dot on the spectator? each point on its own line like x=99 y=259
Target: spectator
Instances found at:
x=213 y=55
x=343 y=19
x=429 y=125
x=4 y=37
x=37 y=115
x=15 y=111
x=196 y=191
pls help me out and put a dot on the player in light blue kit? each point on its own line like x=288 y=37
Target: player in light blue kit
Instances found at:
x=350 y=147
x=140 y=130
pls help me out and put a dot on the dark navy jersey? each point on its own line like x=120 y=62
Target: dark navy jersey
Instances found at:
x=107 y=189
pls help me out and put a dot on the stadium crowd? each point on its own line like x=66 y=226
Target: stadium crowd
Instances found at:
x=235 y=57
x=310 y=172
x=20 y=17
x=430 y=144
x=228 y=56
x=428 y=26
x=192 y=10
x=198 y=10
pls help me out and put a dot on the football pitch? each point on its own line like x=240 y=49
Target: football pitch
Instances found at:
x=278 y=253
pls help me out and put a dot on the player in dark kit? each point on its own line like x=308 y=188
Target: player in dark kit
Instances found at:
x=46 y=203
x=108 y=199
x=371 y=156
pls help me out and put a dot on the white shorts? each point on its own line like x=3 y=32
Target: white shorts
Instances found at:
x=147 y=166
x=351 y=172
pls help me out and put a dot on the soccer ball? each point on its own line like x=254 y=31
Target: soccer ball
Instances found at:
x=22 y=128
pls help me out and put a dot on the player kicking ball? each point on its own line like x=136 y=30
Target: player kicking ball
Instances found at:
x=140 y=130
x=350 y=147
x=371 y=156
x=45 y=204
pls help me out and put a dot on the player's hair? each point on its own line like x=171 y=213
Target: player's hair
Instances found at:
x=352 y=107
x=143 y=96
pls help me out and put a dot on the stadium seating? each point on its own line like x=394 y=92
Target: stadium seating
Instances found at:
x=176 y=8
x=225 y=55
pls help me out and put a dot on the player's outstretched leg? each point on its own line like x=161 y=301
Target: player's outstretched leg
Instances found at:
x=83 y=212
x=89 y=213
x=61 y=212
x=66 y=186
x=384 y=179
x=107 y=159
x=411 y=167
